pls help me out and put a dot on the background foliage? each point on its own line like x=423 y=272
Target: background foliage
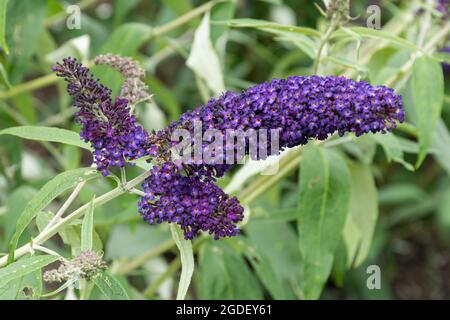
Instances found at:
x=333 y=209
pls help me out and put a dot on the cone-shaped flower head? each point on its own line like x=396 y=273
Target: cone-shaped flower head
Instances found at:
x=301 y=108
x=194 y=204
x=107 y=125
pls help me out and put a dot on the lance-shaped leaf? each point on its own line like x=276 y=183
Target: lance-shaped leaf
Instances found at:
x=427 y=90
x=325 y=186
x=47 y=134
x=362 y=216
x=52 y=189
x=23 y=267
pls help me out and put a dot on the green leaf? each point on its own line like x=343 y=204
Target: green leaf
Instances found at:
x=224 y=274
x=9 y=291
x=71 y=157
x=400 y=193
x=31 y=286
x=221 y=11
x=325 y=186
x=71 y=236
x=347 y=63
x=4 y=75
x=23 y=267
x=43 y=218
x=10 y=152
x=3 y=43
x=28 y=287
x=304 y=43
x=87 y=228
x=203 y=59
x=178 y=6
x=164 y=97
x=122 y=8
x=127 y=39
x=52 y=189
x=392 y=148
x=273 y=253
x=269 y=26
x=25 y=23
x=427 y=90
x=362 y=216
x=441 y=145
x=378 y=35
x=15 y=204
x=110 y=286
x=187 y=260
x=47 y=134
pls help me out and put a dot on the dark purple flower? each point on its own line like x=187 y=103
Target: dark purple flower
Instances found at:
x=194 y=204
x=107 y=125
x=302 y=108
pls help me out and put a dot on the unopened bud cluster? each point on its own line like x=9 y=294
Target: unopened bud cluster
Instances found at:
x=84 y=266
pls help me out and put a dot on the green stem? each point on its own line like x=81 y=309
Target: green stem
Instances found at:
x=182 y=19
x=58 y=226
x=173 y=267
x=429 y=48
x=29 y=86
x=331 y=28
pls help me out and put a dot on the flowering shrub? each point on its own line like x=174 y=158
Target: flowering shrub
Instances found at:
x=301 y=108
x=293 y=151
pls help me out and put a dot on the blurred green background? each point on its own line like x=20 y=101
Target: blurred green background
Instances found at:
x=406 y=211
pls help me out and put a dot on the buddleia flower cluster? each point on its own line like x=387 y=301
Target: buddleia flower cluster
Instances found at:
x=108 y=126
x=298 y=108
x=301 y=108
x=195 y=204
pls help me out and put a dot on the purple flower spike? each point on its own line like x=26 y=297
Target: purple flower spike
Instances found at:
x=302 y=108
x=108 y=126
x=193 y=204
